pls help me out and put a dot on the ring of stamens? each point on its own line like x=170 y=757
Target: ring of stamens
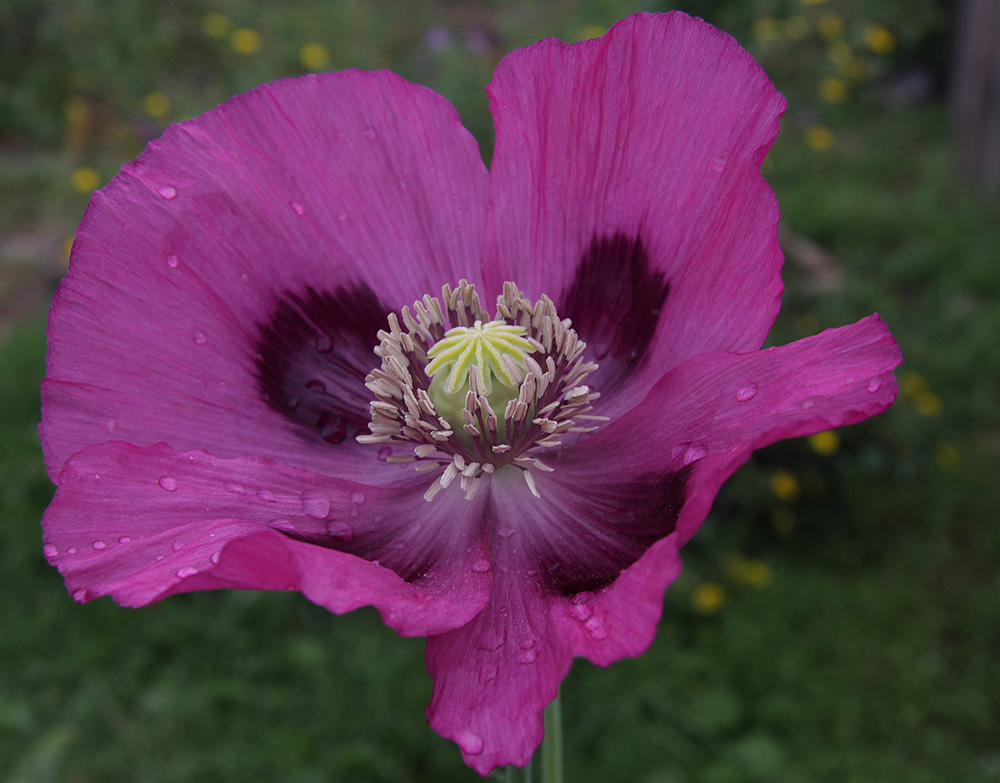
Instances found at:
x=551 y=398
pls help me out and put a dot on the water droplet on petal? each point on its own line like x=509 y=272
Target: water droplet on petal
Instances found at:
x=71 y=550
x=874 y=385
x=199 y=338
x=97 y=475
x=747 y=392
x=215 y=557
x=481 y=566
x=316 y=385
x=581 y=612
x=370 y=133
x=719 y=162
x=111 y=425
x=315 y=505
x=124 y=539
x=167 y=191
x=694 y=453
x=342 y=215
x=99 y=545
x=596 y=627
x=266 y=495
x=488 y=672
x=340 y=530
x=384 y=453
x=470 y=742
x=236 y=489
x=177 y=545
x=490 y=639
x=187 y=571
x=80 y=595
x=172 y=261
x=169 y=483
x=297 y=208
x=323 y=344
x=528 y=656
x=50 y=550
x=332 y=429
x=357 y=497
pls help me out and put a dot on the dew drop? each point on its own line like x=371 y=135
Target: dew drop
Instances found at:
x=340 y=530
x=315 y=505
x=332 y=429
x=324 y=344
x=747 y=392
x=199 y=338
x=481 y=566
x=71 y=550
x=528 y=656
x=357 y=497
x=581 y=612
x=384 y=453
x=266 y=495
x=316 y=385
x=111 y=425
x=694 y=453
x=172 y=261
x=187 y=571
x=99 y=545
x=470 y=742
x=297 y=208
x=236 y=489
x=719 y=162
x=169 y=483
x=488 y=672
x=215 y=557
x=80 y=595
x=124 y=539
x=874 y=385
x=177 y=546
x=50 y=550
x=370 y=133
x=490 y=639
x=342 y=215
x=159 y=558
x=168 y=192
x=596 y=627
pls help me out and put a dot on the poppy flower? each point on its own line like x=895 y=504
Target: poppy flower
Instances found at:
x=307 y=341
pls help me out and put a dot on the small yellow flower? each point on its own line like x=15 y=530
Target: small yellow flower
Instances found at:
x=928 y=404
x=314 y=56
x=85 y=179
x=825 y=443
x=819 y=138
x=833 y=90
x=785 y=486
x=765 y=29
x=245 y=41
x=946 y=456
x=215 y=25
x=830 y=26
x=879 y=39
x=796 y=28
x=591 y=31
x=156 y=105
x=708 y=597
x=912 y=383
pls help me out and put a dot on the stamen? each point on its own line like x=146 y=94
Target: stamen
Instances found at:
x=469 y=394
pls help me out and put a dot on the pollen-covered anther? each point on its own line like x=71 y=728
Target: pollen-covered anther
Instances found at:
x=468 y=394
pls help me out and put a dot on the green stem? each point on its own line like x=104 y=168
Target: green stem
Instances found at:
x=551 y=754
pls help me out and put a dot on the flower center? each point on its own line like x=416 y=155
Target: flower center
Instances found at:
x=470 y=394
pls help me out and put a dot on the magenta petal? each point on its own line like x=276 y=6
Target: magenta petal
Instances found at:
x=273 y=207
x=142 y=524
x=626 y=186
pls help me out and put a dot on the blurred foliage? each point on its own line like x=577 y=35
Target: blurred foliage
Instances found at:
x=838 y=618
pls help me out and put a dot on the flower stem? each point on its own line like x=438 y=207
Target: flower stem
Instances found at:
x=551 y=752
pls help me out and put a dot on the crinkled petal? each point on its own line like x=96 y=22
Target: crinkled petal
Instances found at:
x=140 y=524
x=251 y=251
x=702 y=421
x=626 y=186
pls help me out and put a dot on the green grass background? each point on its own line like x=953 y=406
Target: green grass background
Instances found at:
x=855 y=635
